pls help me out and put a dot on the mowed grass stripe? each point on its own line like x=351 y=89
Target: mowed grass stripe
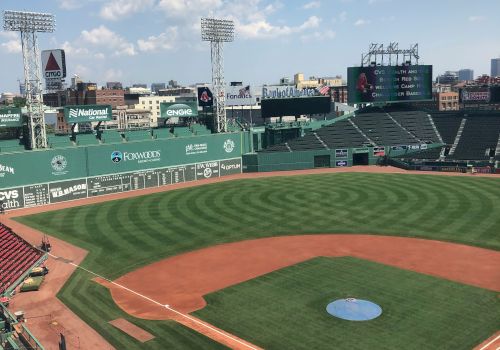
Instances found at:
x=124 y=235
x=286 y=308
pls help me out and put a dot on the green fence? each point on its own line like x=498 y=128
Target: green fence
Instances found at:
x=50 y=176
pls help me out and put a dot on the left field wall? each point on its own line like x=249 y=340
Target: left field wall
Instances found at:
x=43 y=177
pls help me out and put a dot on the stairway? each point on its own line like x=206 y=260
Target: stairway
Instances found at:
x=457 y=138
x=402 y=127
x=361 y=132
x=321 y=141
x=435 y=129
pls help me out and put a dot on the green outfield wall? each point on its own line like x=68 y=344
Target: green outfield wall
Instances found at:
x=35 y=178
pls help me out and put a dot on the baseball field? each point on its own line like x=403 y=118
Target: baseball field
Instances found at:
x=312 y=239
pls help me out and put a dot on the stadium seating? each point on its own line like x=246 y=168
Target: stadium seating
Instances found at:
x=199 y=129
x=182 y=131
x=138 y=135
x=342 y=134
x=418 y=124
x=16 y=257
x=59 y=141
x=478 y=136
x=13 y=145
x=86 y=139
x=447 y=125
x=162 y=133
x=111 y=136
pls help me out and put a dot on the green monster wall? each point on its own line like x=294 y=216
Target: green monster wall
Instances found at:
x=50 y=176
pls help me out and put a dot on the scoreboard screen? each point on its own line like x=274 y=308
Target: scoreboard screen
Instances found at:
x=295 y=106
x=389 y=83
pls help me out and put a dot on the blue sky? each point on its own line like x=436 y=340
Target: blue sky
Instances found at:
x=145 y=41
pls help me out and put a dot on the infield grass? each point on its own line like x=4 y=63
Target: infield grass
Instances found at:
x=123 y=235
x=286 y=309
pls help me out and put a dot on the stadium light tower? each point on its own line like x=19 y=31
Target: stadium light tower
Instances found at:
x=218 y=31
x=29 y=24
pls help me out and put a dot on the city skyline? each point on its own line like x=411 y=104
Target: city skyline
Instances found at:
x=147 y=41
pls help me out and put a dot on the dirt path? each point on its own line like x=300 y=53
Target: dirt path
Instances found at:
x=182 y=281
x=47 y=316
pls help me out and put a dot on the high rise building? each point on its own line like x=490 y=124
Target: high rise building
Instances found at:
x=155 y=87
x=495 y=67
x=465 y=75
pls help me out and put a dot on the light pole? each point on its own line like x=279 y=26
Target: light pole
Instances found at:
x=29 y=24
x=218 y=31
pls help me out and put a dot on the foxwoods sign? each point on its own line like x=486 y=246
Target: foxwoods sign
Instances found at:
x=286 y=92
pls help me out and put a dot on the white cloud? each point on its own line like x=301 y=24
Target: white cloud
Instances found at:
x=188 y=8
x=361 y=22
x=476 y=18
x=263 y=29
x=164 y=41
x=113 y=74
x=70 y=4
x=312 y=5
x=117 y=9
x=72 y=50
x=318 y=36
x=102 y=36
x=13 y=43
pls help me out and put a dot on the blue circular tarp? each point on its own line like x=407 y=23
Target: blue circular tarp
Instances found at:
x=354 y=309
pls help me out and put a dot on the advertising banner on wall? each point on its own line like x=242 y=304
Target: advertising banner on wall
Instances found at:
x=54 y=68
x=378 y=151
x=205 y=97
x=475 y=95
x=389 y=83
x=88 y=113
x=240 y=96
x=10 y=117
x=287 y=91
x=176 y=109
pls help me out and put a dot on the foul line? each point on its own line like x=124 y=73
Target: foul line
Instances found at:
x=166 y=306
x=491 y=342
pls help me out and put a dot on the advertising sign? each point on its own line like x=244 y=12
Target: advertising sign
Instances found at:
x=379 y=151
x=286 y=91
x=67 y=190
x=340 y=163
x=176 y=109
x=88 y=113
x=341 y=153
x=205 y=97
x=10 y=117
x=54 y=68
x=240 y=96
x=389 y=83
x=476 y=95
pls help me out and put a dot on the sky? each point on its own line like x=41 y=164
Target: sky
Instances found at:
x=146 y=41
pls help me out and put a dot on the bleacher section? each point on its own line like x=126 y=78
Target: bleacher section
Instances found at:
x=111 y=136
x=478 y=136
x=138 y=135
x=418 y=124
x=162 y=133
x=58 y=141
x=181 y=131
x=16 y=258
x=447 y=125
x=342 y=134
x=86 y=139
x=198 y=129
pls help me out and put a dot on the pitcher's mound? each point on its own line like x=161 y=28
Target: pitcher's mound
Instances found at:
x=352 y=309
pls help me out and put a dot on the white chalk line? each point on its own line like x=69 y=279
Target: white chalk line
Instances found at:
x=490 y=342
x=166 y=306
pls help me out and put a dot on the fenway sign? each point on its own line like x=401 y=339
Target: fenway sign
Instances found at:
x=85 y=114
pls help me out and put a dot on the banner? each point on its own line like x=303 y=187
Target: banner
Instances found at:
x=240 y=96
x=10 y=117
x=389 y=83
x=341 y=153
x=177 y=109
x=287 y=91
x=205 y=97
x=379 y=151
x=54 y=68
x=88 y=113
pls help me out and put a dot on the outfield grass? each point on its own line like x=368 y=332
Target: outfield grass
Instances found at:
x=286 y=309
x=123 y=235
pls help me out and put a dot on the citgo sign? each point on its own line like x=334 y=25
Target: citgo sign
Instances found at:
x=175 y=109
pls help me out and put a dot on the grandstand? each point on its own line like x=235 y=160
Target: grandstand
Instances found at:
x=17 y=258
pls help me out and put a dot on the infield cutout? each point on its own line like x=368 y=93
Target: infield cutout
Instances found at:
x=352 y=309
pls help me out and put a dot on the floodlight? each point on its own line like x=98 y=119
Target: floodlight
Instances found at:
x=218 y=31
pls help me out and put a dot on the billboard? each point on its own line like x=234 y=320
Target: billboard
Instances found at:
x=240 y=96
x=88 y=113
x=287 y=91
x=482 y=94
x=10 y=117
x=205 y=97
x=54 y=68
x=176 y=109
x=295 y=106
x=389 y=83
